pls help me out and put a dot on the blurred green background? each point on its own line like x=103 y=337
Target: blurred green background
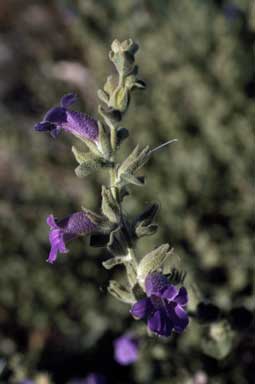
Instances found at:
x=196 y=58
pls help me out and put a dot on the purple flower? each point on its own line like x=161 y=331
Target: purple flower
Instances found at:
x=27 y=381
x=125 y=350
x=67 y=229
x=92 y=378
x=61 y=117
x=163 y=308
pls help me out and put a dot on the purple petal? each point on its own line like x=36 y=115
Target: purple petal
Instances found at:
x=178 y=316
x=44 y=126
x=125 y=350
x=94 y=378
x=155 y=283
x=81 y=125
x=68 y=100
x=52 y=255
x=51 y=222
x=56 y=237
x=183 y=319
x=160 y=324
x=182 y=297
x=77 y=223
x=55 y=132
x=170 y=293
x=56 y=115
x=141 y=309
x=27 y=382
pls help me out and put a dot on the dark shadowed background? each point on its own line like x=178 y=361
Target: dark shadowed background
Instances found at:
x=196 y=59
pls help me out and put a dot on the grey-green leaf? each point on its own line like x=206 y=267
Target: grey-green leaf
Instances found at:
x=152 y=262
x=110 y=207
x=87 y=167
x=117 y=244
x=82 y=156
x=120 y=292
x=145 y=230
x=104 y=140
x=128 y=178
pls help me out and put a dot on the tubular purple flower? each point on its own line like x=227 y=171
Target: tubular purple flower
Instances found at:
x=126 y=350
x=69 y=228
x=62 y=117
x=164 y=306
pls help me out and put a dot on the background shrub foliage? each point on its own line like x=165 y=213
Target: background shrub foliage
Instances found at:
x=196 y=58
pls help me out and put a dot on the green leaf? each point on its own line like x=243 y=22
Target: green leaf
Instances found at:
x=140 y=84
x=92 y=146
x=110 y=207
x=120 y=292
x=148 y=215
x=102 y=222
x=103 y=96
x=82 y=156
x=128 y=178
x=87 y=167
x=145 y=230
x=131 y=273
x=119 y=100
x=111 y=118
x=132 y=164
x=126 y=163
x=132 y=82
x=110 y=84
x=134 y=161
x=112 y=262
x=90 y=164
x=142 y=224
x=153 y=261
x=117 y=244
x=104 y=140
